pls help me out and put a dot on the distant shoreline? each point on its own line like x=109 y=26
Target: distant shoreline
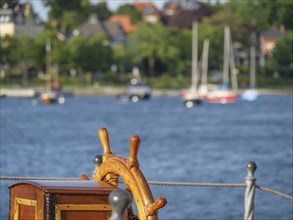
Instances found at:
x=116 y=91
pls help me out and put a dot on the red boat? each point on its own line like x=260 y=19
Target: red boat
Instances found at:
x=222 y=96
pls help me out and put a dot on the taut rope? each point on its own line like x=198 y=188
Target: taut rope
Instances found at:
x=161 y=183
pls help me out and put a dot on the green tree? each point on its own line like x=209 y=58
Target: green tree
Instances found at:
x=89 y=54
x=282 y=53
x=120 y=57
x=287 y=17
x=7 y=43
x=102 y=10
x=40 y=47
x=254 y=12
x=150 y=43
x=264 y=14
x=177 y=52
x=128 y=9
x=70 y=20
x=212 y=28
x=57 y=7
x=24 y=55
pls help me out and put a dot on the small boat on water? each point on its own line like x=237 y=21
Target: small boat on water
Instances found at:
x=50 y=96
x=137 y=90
x=191 y=97
x=224 y=94
x=251 y=94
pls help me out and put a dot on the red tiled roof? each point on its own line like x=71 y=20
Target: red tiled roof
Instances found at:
x=142 y=6
x=124 y=21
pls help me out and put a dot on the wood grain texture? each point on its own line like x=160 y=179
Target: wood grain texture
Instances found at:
x=133 y=178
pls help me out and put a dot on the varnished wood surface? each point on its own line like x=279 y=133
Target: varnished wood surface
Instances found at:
x=114 y=166
x=26 y=212
x=85 y=215
x=63 y=187
x=81 y=199
x=88 y=199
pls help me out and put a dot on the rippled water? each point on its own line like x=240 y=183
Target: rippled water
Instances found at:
x=210 y=143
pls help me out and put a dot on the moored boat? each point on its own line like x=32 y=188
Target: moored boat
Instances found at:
x=48 y=97
x=251 y=94
x=191 y=97
x=224 y=94
x=137 y=90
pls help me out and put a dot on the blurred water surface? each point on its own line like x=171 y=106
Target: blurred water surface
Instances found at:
x=210 y=143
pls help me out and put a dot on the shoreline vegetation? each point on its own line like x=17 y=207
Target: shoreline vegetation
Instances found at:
x=119 y=90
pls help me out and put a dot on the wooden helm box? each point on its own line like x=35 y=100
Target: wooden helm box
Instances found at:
x=60 y=200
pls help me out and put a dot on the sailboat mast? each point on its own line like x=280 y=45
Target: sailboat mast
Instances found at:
x=226 y=56
x=233 y=69
x=252 y=67
x=194 y=76
x=48 y=64
x=205 y=55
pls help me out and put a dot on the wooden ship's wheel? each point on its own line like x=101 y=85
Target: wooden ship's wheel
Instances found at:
x=113 y=166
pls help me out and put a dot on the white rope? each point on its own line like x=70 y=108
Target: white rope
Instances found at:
x=160 y=183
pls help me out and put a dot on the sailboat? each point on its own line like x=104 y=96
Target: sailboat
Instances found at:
x=48 y=96
x=251 y=94
x=204 y=88
x=191 y=97
x=224 y=94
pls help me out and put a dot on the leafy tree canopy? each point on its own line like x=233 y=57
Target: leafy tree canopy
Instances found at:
x=151 y=43
x=283 y=50
x=57 y=7
x=128 y=9
x=102 y=10
x=89 y=54
x=264 y=13
x=212 y=28
x=70 y=20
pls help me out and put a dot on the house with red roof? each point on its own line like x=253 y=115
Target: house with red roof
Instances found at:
x=124 y=21
x=149 y=11
x=269 y=38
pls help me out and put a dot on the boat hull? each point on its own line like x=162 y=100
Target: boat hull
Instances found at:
x=249 y=95
x=222 y=96
x=49 y=97
x=48 y=100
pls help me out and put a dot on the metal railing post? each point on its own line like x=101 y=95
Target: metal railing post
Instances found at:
x=250 y=191
x=119 y=200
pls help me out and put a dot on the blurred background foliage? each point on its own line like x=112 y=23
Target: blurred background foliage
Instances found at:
x=161 y=52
